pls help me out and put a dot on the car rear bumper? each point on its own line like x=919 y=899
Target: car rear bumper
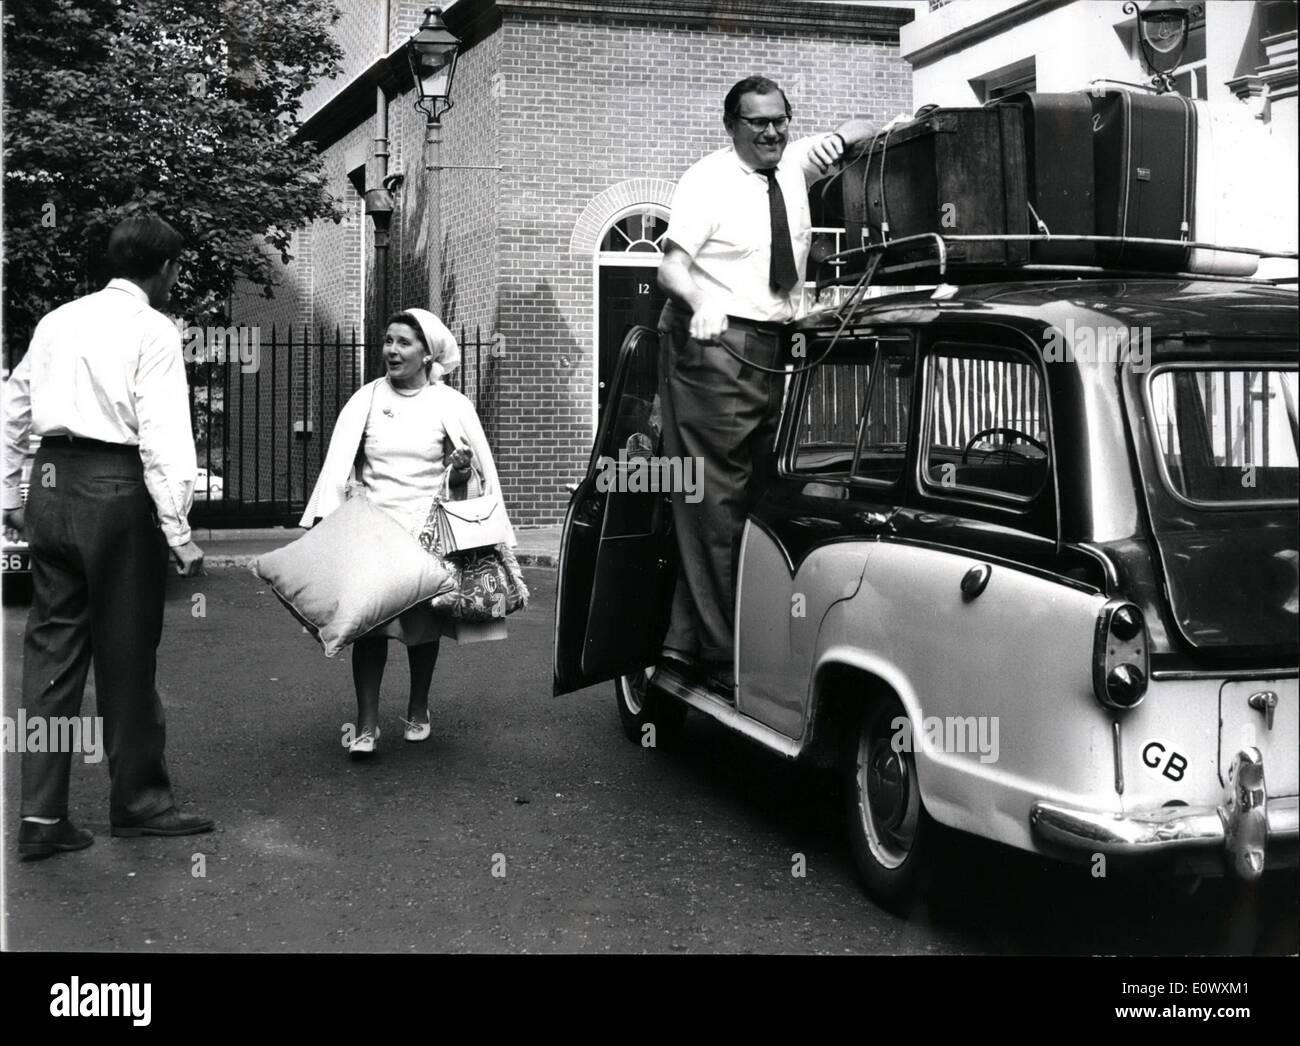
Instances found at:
x=1249 y=828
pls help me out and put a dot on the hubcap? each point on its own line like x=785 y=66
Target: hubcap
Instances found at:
x=887 y=786
x=889 y=803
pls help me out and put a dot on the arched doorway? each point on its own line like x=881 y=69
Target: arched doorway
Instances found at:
x=627 y=289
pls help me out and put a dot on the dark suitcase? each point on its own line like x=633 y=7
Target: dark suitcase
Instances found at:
x=951 y=172
x=1144 y=151
x=1059 y=174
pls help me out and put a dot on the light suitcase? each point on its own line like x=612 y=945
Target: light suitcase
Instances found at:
x=1229 y=155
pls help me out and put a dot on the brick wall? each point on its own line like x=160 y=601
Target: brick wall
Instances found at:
x=588 y=104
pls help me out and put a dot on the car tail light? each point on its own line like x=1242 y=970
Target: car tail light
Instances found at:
x=1120 y=665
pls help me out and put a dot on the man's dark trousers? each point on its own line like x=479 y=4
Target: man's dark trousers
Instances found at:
x=724 y=414
x=99 y=567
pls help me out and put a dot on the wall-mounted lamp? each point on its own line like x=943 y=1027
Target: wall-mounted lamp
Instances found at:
x=1163 y=26
x=432 y=53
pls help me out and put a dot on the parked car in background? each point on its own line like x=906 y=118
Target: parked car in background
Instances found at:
x=208 y=487
x=15 y=558
x=1005 y=585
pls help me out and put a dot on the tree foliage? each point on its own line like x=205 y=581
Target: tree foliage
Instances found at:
x=185 y=107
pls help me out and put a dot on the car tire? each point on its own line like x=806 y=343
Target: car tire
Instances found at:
x=892 y=837
x=640 y=705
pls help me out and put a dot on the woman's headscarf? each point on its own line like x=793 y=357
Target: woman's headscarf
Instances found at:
x=442 y=343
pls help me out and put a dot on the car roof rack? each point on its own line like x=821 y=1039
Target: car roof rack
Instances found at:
x=876 y=256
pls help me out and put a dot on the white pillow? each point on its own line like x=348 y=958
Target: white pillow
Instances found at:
x=354 y=570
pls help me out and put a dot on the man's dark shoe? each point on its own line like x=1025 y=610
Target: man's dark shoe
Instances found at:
x=43 y=840
x=722 y=681
x=169 y=822
x=681 y=663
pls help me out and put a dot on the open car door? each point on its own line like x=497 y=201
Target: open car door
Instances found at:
x=618 y=555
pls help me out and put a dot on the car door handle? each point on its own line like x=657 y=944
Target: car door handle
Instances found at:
x=875 y=518
x=1265 y=701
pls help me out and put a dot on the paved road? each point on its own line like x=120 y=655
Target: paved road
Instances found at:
x=605 y=847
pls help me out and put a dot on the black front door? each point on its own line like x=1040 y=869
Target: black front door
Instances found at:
x=629 y=297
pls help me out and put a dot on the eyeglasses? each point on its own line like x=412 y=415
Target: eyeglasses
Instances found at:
x=779 y=125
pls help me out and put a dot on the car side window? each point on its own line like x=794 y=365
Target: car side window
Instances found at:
x=884 y=429
x=834 y=400
x=986 y=429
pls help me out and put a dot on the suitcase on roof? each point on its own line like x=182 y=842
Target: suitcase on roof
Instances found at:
x=1144 y=150
x=1059 y=176
x=950 y=171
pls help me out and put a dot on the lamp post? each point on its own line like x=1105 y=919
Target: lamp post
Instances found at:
x=1163 y=26
x=433 y=52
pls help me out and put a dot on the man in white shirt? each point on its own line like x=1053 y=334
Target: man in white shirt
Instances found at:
x=103 y=386
x=736 y=248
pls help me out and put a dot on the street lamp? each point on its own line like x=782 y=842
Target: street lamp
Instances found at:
x=432 y=53
x=1162 y=32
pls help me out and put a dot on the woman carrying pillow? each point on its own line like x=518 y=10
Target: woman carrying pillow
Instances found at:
x=392 y=439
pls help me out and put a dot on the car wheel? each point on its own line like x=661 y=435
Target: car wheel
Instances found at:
x=890 y=834
x=640 y=706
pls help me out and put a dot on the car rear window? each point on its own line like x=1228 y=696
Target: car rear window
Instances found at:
x=1226 y=435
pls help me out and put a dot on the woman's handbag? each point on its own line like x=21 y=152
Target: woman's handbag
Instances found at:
x=469 y=516
x=488 y=582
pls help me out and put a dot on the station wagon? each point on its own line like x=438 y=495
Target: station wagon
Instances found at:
x=1007 y=584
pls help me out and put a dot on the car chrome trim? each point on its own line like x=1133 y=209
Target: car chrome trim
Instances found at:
x=1107 y=565
x=1192 y=674
x=1245 y=815
x=667 y=680
x=1243 y=825
x=1119 y=756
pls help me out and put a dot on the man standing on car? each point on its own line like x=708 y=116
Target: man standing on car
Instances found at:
x=103 y=386
x=735 y=252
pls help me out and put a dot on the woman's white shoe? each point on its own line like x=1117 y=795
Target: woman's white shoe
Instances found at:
x=416 y=731
x=364 y=744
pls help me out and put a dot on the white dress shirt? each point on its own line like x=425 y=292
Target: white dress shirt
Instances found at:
x=721 y=218
x=108 y=367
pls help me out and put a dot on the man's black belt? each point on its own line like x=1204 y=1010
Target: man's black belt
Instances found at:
x=81 y=443
x=760 y=326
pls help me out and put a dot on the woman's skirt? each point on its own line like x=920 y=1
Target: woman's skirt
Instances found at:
x=413 y=627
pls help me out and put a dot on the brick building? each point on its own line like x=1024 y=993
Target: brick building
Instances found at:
x=539 y=226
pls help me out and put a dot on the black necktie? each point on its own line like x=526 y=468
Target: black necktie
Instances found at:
x=781 y=273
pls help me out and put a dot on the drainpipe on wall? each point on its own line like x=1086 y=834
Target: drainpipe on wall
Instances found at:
x=379 y=205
